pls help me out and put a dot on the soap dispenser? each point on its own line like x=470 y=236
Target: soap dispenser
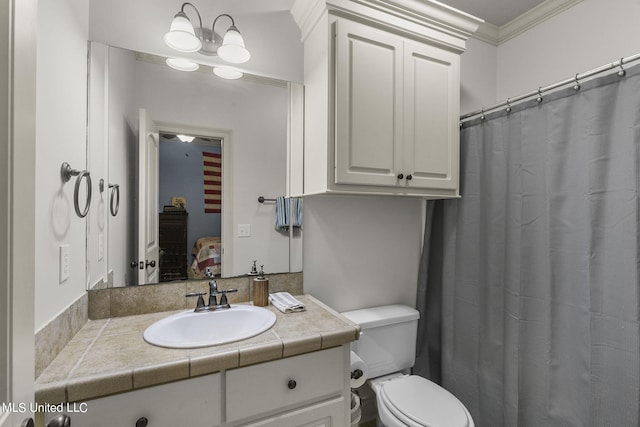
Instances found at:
x=261 y=289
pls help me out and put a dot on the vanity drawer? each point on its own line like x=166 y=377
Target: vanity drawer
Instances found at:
x=270 y=386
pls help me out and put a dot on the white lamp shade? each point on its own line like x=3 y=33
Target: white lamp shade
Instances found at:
x=182 y=64
x=181 y=35
x=227 y=73
x=232 y=49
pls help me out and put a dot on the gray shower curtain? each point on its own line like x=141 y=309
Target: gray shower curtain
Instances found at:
x=529 y=284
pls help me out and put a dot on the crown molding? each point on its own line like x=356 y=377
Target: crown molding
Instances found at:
x=419 y=17
x=546 y=10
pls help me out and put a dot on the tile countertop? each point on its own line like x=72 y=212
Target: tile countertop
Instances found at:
x=110 y=355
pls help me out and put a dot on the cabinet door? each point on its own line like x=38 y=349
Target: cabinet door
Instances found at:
x=368 y=99
x=431 y=110
x=325 y=414
x=193 y=402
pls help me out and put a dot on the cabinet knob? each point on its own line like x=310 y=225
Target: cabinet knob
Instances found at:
x=291 y=384
x=61 y=420
x=409 y=177
x=400 y=176
x=142 y=422
x=151 y=263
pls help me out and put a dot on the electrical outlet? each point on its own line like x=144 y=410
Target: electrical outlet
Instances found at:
x=65 y=262
x=244 y=230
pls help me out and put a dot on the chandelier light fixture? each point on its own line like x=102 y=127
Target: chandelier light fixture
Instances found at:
x=184 y=37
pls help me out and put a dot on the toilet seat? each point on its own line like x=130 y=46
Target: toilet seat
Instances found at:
x=418 y=402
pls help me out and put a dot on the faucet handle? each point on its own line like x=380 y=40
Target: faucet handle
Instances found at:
x=224 y=292
x=200 y=304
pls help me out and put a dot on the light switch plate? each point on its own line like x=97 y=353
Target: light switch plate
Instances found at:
x=65 y=262
x=244 y=230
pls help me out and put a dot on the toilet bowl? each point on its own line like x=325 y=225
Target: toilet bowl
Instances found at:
x=410 y=400
x=387 y=346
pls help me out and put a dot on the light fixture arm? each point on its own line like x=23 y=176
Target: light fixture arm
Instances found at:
x=194 y=8
x=213 y=26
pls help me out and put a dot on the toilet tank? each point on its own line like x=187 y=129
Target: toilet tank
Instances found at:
x=388 y=340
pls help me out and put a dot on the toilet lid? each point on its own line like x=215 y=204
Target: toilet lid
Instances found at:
x=423 y=402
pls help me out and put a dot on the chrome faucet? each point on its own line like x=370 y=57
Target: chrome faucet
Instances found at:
x=213 y=292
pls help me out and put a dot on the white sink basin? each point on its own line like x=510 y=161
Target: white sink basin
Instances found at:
x=191 y=330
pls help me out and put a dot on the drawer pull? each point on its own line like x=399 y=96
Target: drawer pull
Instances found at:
x=291 y=384
x=142 y=422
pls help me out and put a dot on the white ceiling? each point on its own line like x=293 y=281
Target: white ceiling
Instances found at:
x=496 y=12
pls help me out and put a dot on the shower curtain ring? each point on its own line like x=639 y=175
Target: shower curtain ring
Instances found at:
x=482 y=117
x=577 y=85
x=622 y=71
x=539 y=98
x=508 y=109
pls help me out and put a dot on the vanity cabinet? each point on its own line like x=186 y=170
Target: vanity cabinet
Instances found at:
x=382 y=95
x=308 y=390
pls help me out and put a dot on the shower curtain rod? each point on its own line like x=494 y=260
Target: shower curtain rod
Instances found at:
x=575 y=80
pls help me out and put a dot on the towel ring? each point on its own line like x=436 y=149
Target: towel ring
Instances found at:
x=115 y=193
x=66 y=172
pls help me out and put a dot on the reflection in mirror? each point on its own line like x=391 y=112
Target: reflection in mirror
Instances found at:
x=249 y=118
x=190 y=199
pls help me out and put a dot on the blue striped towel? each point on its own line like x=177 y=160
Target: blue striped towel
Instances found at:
x=296 y=212
x=282 y=213
x=288 y=213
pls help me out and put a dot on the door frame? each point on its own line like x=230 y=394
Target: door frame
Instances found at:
x=18 y=22
x=225 y=135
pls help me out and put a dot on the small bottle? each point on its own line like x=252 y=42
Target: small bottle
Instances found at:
x=261 y=289
x=254 y=270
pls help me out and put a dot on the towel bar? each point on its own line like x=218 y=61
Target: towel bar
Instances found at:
x=261 y=199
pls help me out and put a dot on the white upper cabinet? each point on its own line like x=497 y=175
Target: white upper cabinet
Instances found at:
x=382 y=94
x=369 y=97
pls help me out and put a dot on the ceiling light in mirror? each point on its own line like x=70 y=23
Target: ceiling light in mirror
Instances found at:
x=182 y=64
x=186 y=138
x=181 y=35
x=227 y=73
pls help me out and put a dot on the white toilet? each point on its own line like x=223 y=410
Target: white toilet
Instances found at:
x=387 y=346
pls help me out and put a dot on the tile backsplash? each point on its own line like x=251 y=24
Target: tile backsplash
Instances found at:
x=132 y=300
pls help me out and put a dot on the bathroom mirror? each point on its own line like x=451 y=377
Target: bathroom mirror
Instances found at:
x=245 y=122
